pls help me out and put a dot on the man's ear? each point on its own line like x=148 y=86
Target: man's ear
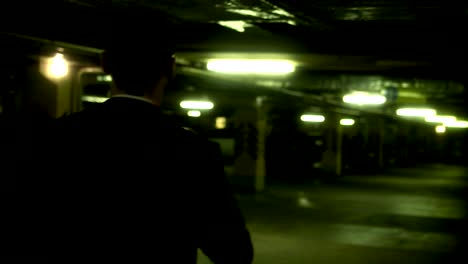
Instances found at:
x=171 y=68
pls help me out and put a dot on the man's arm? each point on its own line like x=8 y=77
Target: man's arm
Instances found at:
x=222 y=234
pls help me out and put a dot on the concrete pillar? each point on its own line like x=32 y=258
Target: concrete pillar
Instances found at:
x=41 y=91
x=260 y=172
x=380 y=152
x=403 y=132
x=64 y=91
x=331 y=161
x=249 y=164
x=339 y=150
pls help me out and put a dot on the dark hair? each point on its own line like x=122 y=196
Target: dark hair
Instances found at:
x=140 y=45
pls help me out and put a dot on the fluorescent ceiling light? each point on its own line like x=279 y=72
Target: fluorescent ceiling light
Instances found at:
x=275 y=14
x=246 y=12
x=194 y=113
x=416 y=112
x=251 y=66
x=364 y=98
x=440 y=119
x=237 y=25
x=282 y=12
x=440 y=129
x=457 y=124
x=313 y=118
x=104 y=78
x=94 y=99
x=409 y=94
x=200 y=105
x=347 y=122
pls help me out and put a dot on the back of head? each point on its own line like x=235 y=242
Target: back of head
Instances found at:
x=139 y=46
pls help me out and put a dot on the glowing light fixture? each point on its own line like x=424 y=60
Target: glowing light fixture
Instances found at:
x=364 y=98
x=197 y=105
x=416 y=112
x=440 y=129
x=194 y=113
x=251 y=66
x=457 y=124
x=347 y=122
x=237 y=25
x=220 y=123
x=57 y=66
x=440 y=119
x=313 y=118
x=104 y=78
x=282 y=12
x=246 y=12
x=94 y=99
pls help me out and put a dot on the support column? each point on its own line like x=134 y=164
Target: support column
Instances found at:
x=61 y=91
x=249 y=164
x=339 y=150
x=64 y=89
x=331 y=159
x=260 y=172
x=380 y=153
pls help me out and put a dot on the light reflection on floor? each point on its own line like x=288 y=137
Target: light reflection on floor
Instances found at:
x=378 y=220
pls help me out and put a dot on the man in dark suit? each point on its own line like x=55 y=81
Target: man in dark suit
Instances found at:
x=132 y=186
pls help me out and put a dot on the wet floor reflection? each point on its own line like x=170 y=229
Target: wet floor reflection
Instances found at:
x=404 y=216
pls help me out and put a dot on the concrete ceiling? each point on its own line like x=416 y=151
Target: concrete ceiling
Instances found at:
x=387 y=28
x=394 y=41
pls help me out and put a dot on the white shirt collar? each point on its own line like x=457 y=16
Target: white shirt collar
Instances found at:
x=141 y=98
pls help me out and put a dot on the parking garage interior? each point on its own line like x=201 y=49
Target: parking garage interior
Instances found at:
x=342 y=124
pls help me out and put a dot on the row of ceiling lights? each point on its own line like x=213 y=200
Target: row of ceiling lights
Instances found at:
x=194 y=110
x=320 y=119
x=59 y=68
x=429 y=115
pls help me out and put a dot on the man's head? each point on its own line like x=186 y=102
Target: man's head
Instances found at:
x=139 y=53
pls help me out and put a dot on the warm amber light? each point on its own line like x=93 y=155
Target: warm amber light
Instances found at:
x=57 y=66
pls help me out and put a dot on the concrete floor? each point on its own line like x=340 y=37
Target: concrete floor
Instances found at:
x=403 y=216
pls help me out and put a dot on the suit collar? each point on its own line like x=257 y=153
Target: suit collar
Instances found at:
x=133 y=97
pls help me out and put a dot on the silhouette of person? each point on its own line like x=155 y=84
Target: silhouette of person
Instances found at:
x=126 y=184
